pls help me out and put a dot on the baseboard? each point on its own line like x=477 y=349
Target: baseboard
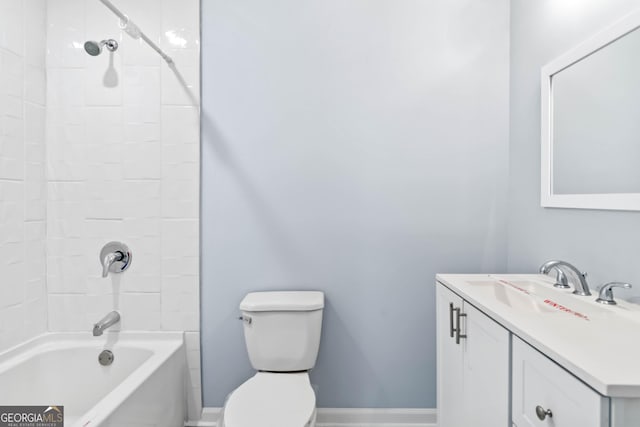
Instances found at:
x=349 y=417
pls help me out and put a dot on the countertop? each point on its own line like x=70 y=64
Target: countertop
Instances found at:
x=597 y=343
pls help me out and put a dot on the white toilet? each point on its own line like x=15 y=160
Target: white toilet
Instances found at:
x=282 y=333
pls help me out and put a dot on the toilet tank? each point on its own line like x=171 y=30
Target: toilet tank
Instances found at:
x=282 y=329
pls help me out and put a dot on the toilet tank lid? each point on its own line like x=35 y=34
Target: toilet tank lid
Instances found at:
x=283 y=301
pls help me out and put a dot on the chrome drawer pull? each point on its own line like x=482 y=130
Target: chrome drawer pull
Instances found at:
x=451 y=328
x=543 y=413
x=458 y=328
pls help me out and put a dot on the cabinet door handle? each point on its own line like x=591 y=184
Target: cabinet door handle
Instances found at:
x=451 y=328
x=458 y=327
x=543 y=413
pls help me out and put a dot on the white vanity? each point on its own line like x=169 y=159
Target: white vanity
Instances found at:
x=515 y=351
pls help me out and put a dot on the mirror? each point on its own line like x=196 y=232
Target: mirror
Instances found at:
x=591 y=122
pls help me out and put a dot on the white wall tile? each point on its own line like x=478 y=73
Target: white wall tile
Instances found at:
x=65 y=86
x=103 y=79
x=180 y=321
x=100 y=22
x=142 y=132
x=192 y=340
x=184 y=245
x=36 y=314
x=65 y=33
x=12 y=320
x=177 y=20
x=142 y=114
x=141 y=85
x=139 y=53
x=103 y=127
x=13 y=273
x=66 y=274
x=35 y=119
x=194 y=402
x=35 y=208
x=67 y=312
x=35 y=85
x=66 y=247
x=141 y=311
x=12 y=25
x=13 y=73
x=174 y=264
x=182 y=89
x=13 y=106
x=143 y=161
x=35 y=20
x=12 y=148
x=35 y=261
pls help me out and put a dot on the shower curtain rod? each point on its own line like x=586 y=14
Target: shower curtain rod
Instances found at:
x=135 y=32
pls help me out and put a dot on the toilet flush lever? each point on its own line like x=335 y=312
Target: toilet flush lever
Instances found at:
x=246 y=319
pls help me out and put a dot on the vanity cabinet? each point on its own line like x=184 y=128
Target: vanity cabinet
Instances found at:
x=540 y=385
x=531 y=355
x=473 y=365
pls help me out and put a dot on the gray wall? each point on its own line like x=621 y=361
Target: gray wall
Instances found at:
x=604 y=243
x=357 y=147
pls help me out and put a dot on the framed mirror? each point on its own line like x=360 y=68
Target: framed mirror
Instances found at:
x=591 y=122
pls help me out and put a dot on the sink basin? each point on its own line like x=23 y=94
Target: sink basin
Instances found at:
x=542 y=297
x=519 y=296
x=520 y=300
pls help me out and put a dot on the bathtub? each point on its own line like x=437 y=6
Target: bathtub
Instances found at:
x=144 y=386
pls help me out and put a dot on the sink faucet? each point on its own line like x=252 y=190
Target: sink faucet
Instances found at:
x=581 y=286
x=108 y=320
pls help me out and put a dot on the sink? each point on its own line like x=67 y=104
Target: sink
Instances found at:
x=541 y=297
x=519 y=296
x=520 y=301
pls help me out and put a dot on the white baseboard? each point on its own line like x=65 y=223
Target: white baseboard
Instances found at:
x=349 y=417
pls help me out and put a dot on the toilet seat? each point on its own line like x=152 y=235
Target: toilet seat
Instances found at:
x=272 y=400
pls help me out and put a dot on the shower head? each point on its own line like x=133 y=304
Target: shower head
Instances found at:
x=94 y=48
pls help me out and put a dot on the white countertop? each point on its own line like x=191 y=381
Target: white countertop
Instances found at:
x=597 y=343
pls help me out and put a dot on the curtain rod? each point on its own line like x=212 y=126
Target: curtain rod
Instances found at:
x=135 y=32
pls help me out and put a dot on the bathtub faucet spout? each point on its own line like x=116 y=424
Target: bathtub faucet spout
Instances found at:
x=108 y=320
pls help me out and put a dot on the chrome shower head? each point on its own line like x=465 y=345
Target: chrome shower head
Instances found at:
x=94 y=48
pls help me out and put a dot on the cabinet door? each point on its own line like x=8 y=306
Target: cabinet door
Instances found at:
x=486 y=370
x=473 y=374
x=449 y=360
x=538 y=381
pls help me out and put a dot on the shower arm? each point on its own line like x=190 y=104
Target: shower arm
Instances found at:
x=125 y=20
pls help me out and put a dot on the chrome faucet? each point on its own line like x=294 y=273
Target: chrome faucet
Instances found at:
x=108 y=320
x=581 y=286
x=115 y=257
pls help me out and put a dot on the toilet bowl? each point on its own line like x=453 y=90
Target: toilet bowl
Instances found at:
x=272 y=400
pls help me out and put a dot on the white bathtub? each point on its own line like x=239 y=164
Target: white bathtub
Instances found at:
x=144 y=386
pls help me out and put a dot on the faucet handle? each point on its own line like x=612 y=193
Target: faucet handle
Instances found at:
x=115 y=257
x=606 y=292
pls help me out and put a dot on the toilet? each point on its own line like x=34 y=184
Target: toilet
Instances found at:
x=282 y=334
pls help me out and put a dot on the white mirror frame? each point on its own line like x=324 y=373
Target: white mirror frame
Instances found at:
x=610 y=201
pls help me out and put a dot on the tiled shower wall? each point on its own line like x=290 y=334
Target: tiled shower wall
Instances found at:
x=23 y=297
x=123 y=164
